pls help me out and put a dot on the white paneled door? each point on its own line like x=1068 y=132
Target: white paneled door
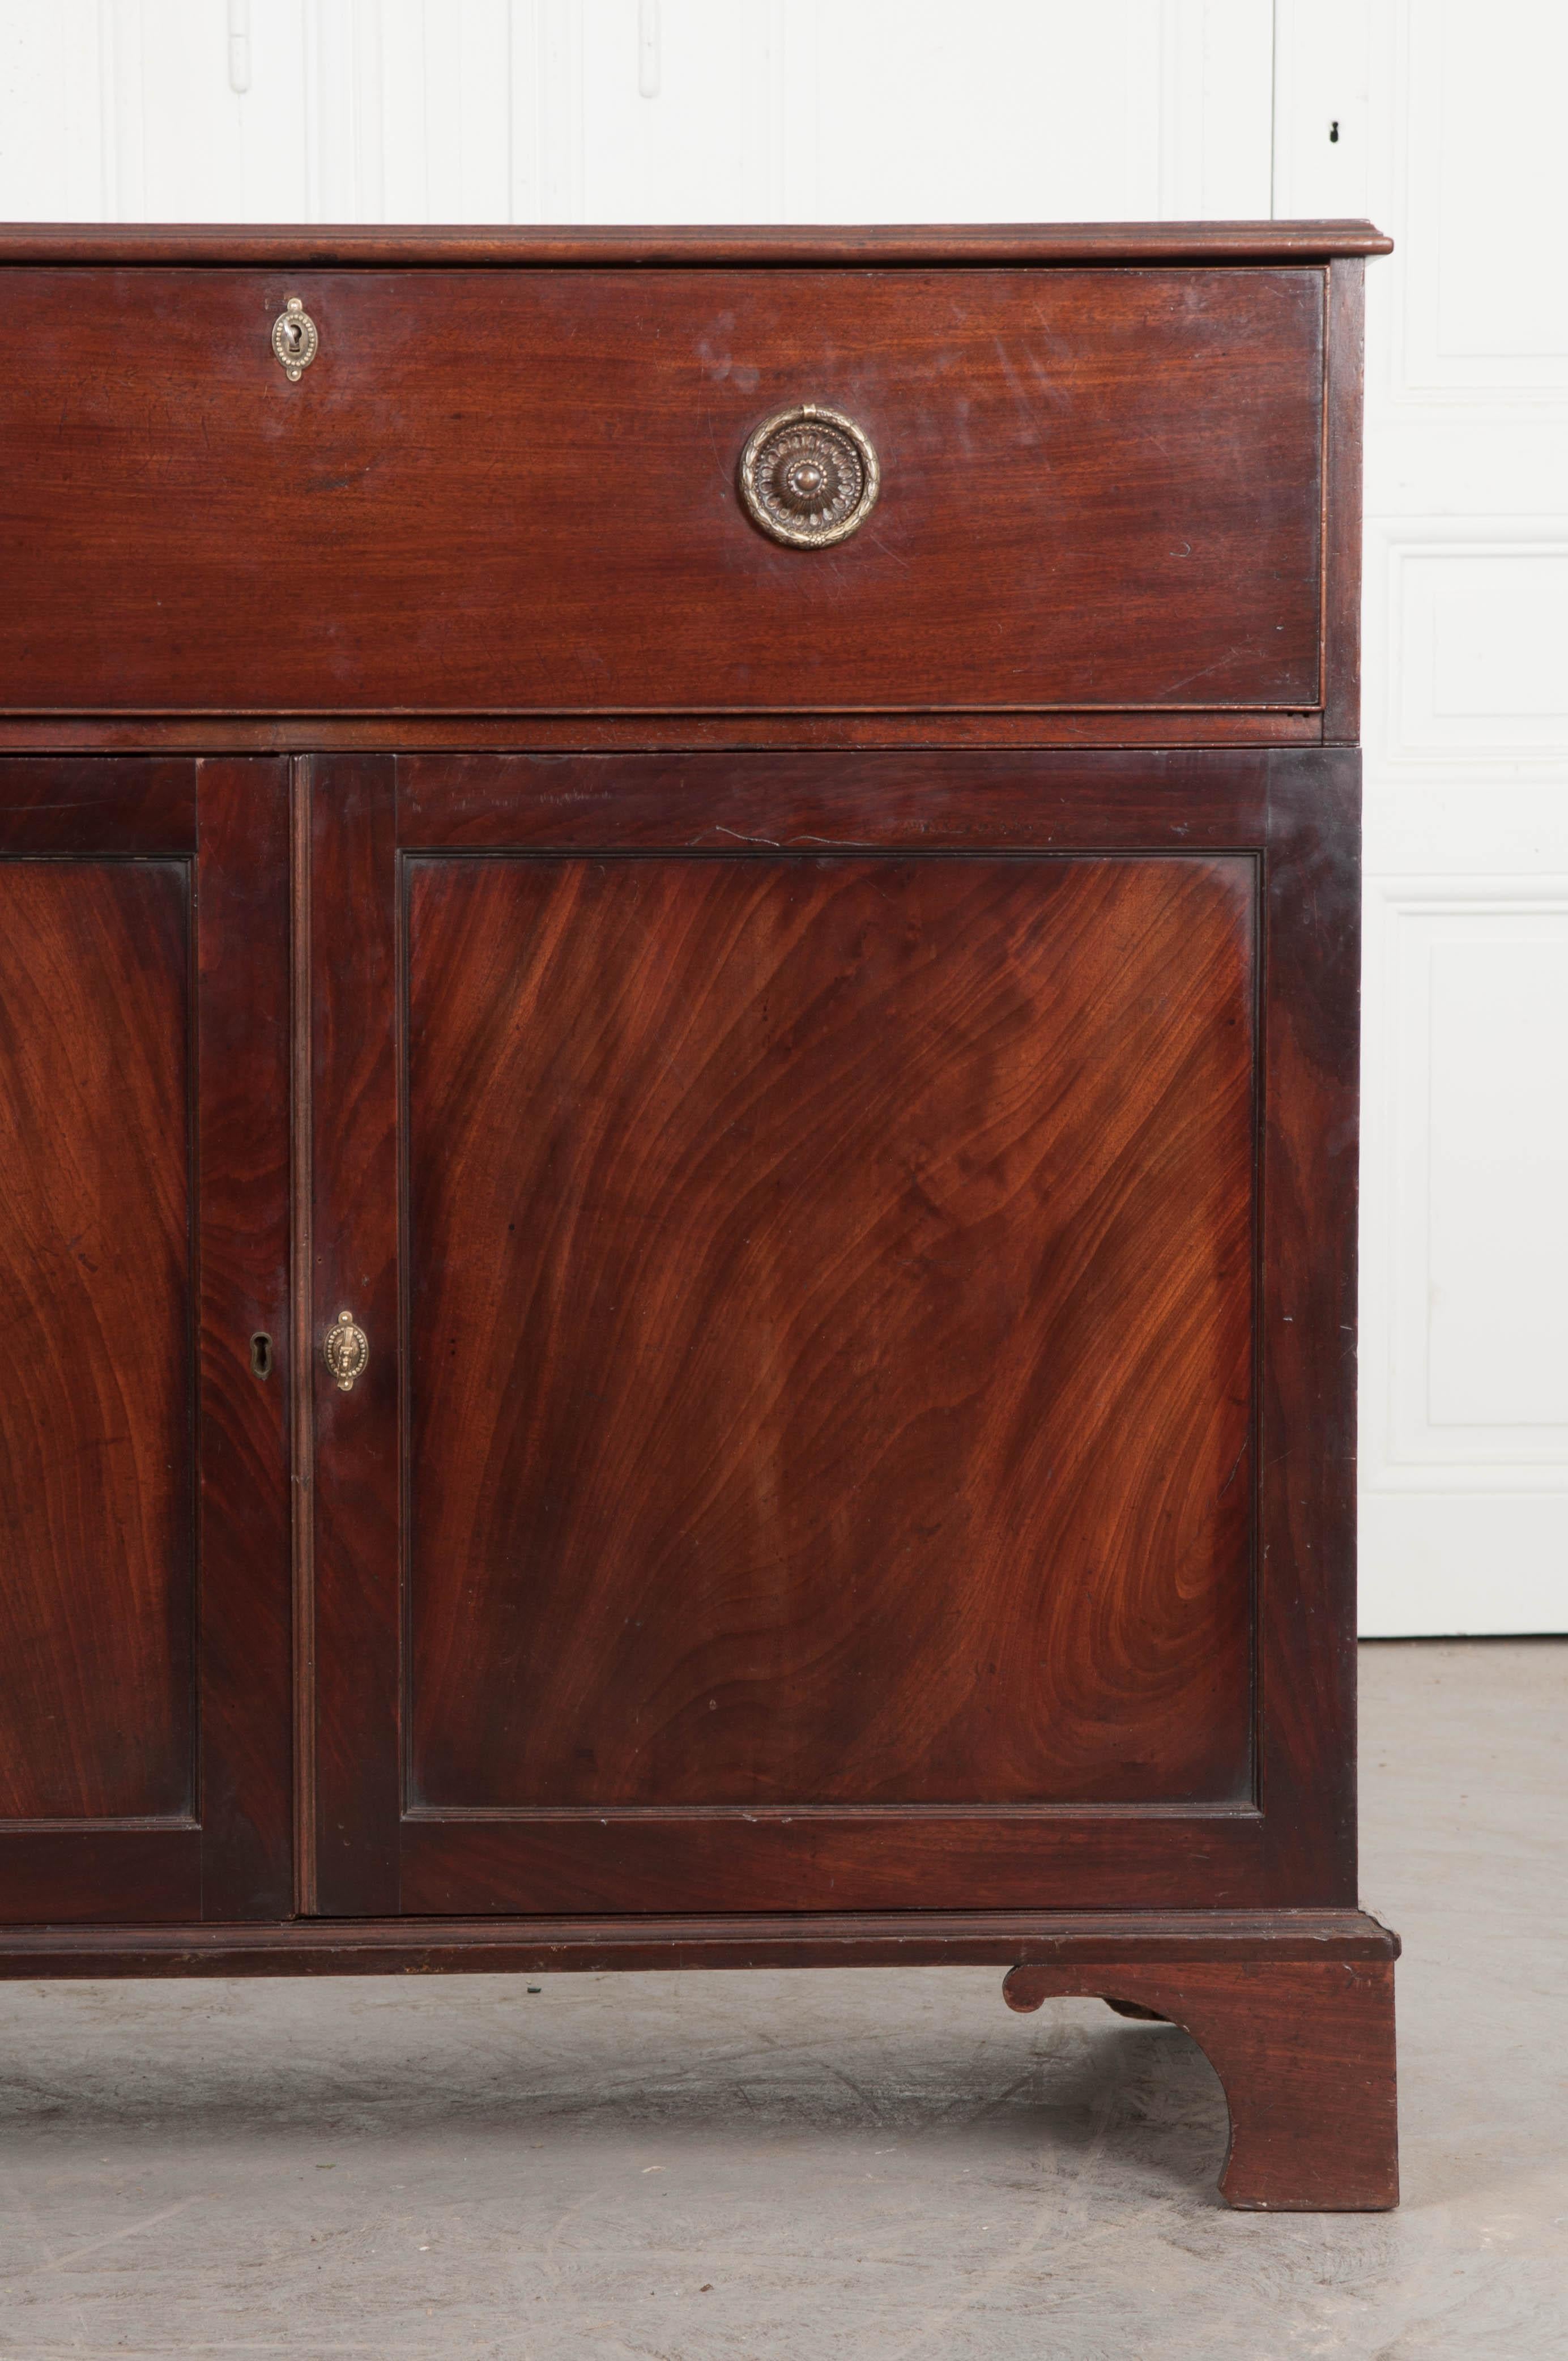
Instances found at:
x=1439 y=117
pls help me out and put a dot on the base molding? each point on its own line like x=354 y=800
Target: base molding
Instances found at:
x=1293 y=2008
x=889 y=1938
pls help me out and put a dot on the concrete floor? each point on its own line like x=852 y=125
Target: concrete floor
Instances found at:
x=882 y=2165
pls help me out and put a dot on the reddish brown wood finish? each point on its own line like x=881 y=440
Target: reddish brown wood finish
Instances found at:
x=1293 y=2008
x=1293 y=813
x=142 y=1711
x=353 y=1753
x=830 y=1315
x=98 y=808
x=1305 y=2053
x=1100 y=489
x=924 y=800
x=412 y=733
x=824 y=248
x=242 y=1137
x=833 y=1857
x=96 y=1604
x=1342 y=505
x=1103 y=1939
x=301 y=1331
x=124 y=1873
x=879 y=1100
x=1306 y=1500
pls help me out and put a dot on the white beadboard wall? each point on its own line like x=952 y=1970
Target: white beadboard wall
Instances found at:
x=633 y=110
x=1439 y=117
x=1451 y=137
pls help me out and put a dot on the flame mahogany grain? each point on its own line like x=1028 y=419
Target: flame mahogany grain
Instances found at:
x=831 y=1330
x=144 y=1739
x=96 y=1711
x=614 y=963
x=829 y=1080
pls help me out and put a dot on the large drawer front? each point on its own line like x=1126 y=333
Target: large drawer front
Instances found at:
x=516 y=491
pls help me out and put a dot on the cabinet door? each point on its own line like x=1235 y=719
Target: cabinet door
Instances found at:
x=145 y=1747
x=851 y=1256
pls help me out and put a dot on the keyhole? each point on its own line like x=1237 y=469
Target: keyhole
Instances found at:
x=261 y=1355
x=294 y=336
x=1333 y=134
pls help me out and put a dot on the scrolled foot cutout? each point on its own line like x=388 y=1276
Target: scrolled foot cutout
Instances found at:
x=1304 y=2051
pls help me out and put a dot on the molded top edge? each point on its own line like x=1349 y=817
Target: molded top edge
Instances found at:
x=377 y=243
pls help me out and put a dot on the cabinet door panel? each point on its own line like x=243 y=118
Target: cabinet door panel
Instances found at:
x=144 y=1606
x=96 y=1712
x=830 y=1330
x=853 y=1254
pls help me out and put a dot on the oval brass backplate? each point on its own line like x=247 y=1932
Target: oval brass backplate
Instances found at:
x=345 y=1349
x=295 y=339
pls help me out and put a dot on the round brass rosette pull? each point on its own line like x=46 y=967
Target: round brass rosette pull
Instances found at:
x=809 y=477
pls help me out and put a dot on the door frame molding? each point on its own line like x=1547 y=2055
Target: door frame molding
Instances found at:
x=229 y=1857
x=1297 y=812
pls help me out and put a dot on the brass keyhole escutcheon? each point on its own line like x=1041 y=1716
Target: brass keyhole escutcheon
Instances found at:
x=295 y=339
x=345 y=1349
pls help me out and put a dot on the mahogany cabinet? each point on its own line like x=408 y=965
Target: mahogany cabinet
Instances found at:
x=678 y=1020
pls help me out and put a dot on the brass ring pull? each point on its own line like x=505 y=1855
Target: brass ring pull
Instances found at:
x=345 y=1349
x=809 y=477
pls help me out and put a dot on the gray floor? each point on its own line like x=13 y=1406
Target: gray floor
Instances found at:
x=745 y=2168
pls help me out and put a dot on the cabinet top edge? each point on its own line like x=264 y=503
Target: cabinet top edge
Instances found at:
x=380 y=245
